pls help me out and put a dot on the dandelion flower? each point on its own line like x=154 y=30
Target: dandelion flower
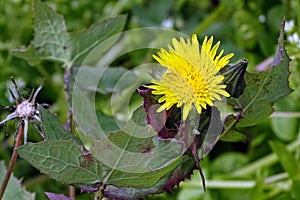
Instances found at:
x=192 y=75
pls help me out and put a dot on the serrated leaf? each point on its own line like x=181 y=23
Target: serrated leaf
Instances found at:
x=265 y=88
x=67 y=162
x=52 y=128
x=51 y=40
x=50 y=33
x=14 y=189
x=166 y=183
x=64 y=161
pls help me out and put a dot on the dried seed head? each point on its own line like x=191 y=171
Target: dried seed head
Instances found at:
x=26 y=109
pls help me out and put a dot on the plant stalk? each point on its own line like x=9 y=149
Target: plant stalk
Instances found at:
x=12 y=161
x=263 y=162
x=67 y=78
x=71 y=191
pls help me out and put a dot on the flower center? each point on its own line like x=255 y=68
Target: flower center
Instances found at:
x=25 y=109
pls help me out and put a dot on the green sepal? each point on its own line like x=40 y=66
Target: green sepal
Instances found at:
x=234 y=78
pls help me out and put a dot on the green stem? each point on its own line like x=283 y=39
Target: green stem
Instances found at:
x=276 y=178
x=228 y=184
x=277 y=190
x=237 y=184
x=12 y=161
x=286 y=114
x=263 y=162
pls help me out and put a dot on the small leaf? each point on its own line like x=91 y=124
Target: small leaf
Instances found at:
x=14 y=189
x=50 y=33
x=52 y=128
x=51 y=39
x=285 y=129
x=227 y=162
x=231 y=134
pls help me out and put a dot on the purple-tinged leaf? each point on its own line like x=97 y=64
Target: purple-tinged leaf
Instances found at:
x=156 y=120
x=165 y=123
x=181 y=173
x=167 y=183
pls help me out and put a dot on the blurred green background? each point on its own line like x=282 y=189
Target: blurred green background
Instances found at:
x=247 y=28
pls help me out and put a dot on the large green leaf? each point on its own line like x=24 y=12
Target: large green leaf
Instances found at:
x=14 y=189
x=67 y=162
x=64 y=161
x=265 y=88
x=140 y=180
x=166 y=183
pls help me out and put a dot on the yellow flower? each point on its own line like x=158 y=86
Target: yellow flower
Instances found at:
x=191 y=76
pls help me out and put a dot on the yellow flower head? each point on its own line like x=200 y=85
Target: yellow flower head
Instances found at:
x=191 y=77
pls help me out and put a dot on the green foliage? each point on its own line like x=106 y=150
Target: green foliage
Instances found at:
x=53 y=42
x=63 y=160
x=248 y=167
x=289 y=164
x=52 y=128
x=265 y=88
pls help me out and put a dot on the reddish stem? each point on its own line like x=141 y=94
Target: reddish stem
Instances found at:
x=12 y=161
